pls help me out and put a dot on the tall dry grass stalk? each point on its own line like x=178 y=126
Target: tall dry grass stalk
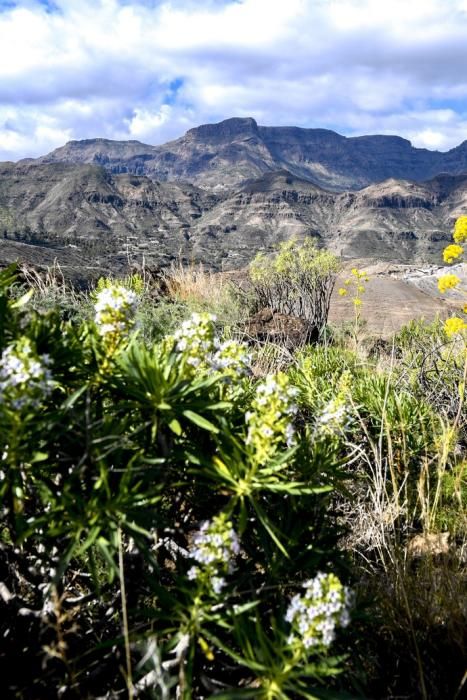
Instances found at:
x=51 y=283
x=194 y=283
x=269 y=357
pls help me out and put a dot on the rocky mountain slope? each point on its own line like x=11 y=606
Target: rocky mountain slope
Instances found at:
x=394 y=220
x=226 y=154
x=90 y=218
x=86 y=217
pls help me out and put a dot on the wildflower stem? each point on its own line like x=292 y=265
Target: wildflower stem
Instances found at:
x=126 y=635
x=462 y=386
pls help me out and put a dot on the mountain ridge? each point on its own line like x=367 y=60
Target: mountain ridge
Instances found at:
x=225 y=154
x=82 y=211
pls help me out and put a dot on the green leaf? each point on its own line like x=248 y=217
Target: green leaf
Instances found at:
x=39 y=457
x=71 y=400
x=102 y=543
x=23 y=300
x=90 y=539
x=268 y=526
x=240 y=609
x=200 y=421
x=298 y=488
x=175 y=427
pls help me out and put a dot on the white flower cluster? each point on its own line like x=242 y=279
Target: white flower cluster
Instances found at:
x=214 y=548
x=196 y=340
x=115 y=309
x=334 y=418
x=315 y=615
x=25 y=377
x=230 y=358
x=270 y=420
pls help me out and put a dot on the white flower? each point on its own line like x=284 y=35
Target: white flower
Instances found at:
x=315 y=615
x=334 y=418
x=25 y=377
x=218 y=584
x=115 y=308
x=214 y=549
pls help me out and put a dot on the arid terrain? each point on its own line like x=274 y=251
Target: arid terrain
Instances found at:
x=224 y=191
x=395 y=295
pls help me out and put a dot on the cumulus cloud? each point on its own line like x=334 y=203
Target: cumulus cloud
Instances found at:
x=150 y=69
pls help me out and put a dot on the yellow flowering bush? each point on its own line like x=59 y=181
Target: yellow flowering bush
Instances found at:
x=448 y=282
x=452 y=252
x=454 y=326
x=460 y=230
x=355 y=285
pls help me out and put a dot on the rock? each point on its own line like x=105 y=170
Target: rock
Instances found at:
x=429 y=544
x=281 y=329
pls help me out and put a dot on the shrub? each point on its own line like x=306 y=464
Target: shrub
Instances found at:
x=297 y=280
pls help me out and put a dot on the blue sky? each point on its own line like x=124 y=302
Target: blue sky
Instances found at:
x=151 y=69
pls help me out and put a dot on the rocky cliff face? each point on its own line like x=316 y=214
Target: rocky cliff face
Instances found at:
x=224 y=155
x=85 y=213
x=90 y=218
x=224 y=191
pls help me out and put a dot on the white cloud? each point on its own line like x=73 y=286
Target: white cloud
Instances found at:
x=143 y=123
x=150 y=69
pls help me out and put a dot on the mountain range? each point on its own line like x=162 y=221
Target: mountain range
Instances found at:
x=223 y=191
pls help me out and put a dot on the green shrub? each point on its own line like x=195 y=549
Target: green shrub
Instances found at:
x=162 y=512
x=297 y=280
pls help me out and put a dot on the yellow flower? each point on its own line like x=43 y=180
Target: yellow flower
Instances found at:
x=460 y=230
x=451 y=252
x=447 y=282
x=357 y=302
x=465 y=309
x=342 y=292
x=361 y=288
x=354 y=272
x=454 y=325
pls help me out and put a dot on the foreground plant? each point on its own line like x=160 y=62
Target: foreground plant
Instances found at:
x=154 y=497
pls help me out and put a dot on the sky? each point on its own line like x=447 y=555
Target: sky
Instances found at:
x=151 y=69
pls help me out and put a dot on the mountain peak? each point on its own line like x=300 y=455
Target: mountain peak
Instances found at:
x=235 y=150
x=227 y=129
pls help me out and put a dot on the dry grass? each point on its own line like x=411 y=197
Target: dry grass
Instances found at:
x=52 y=281
x=194 y=284
x=417 y=581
